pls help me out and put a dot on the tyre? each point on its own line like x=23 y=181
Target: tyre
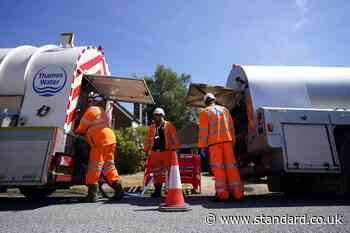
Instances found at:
x=37 y=193
x=344 y=157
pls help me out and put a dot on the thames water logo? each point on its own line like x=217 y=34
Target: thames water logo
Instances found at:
x=48 y=81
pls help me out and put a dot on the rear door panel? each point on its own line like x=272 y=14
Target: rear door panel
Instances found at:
x=24 y=155
x=224 y=96
x=308 y=147
x=122 y=89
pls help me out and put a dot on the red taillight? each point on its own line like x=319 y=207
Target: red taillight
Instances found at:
x=65 y=161
x=270 y=127
x=260 y=117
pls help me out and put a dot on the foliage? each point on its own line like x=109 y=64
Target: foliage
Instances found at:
x=130 y=155
x=169 y=92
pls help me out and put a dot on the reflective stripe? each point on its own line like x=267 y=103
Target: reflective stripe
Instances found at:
x=217 y=165
x=95 y=168
x=232 y=165
x=156 y=169
x=215 y=132
x=171 y=141
x=203 y=129
x=110 y=162
x=109 y=165
x=174 y=181
x=220 y=190
x=97 y=163
x=109 y=168
x=97 y=126
x=235 y=184
x=220 y=185
x=213 y=124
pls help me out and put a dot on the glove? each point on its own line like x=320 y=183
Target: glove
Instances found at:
x=145 y=157
x=203 y=152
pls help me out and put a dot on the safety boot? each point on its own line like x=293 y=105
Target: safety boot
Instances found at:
x=157 y=191
x=118 y=191
x=92 y=195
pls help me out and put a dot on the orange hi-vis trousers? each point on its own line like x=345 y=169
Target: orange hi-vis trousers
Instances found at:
x=160 y=162
x=224 y=167
x=101 y=159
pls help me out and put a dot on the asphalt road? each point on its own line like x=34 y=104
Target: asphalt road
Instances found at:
x=68 y=214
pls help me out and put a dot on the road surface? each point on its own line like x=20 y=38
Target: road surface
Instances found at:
x=257 y=212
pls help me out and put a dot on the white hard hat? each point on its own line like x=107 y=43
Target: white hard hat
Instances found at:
x=159 y=111
x=209 y=96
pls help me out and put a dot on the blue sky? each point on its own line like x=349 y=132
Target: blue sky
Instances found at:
x=201 y=38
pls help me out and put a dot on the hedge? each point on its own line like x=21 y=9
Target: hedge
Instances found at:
x=129 y=155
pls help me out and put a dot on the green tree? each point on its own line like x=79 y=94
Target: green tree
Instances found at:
x=129 y=154
x=169 y=92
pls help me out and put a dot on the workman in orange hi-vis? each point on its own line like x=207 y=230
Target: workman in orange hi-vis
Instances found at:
x=102 y=140
x=160 y=144
x=216 y=131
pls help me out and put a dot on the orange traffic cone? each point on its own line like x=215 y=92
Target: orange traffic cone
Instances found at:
x=174 y=200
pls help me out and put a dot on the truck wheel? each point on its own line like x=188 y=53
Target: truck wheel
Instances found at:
x=37 y=193
x=344 y=157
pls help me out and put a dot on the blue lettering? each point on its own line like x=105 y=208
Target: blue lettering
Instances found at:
x=47 y=83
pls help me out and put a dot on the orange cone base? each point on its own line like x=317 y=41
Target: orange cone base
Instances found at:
x=174 y=208
x=174 y=201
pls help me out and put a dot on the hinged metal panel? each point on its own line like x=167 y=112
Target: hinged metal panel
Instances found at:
x=308 y=147
x=122 y=89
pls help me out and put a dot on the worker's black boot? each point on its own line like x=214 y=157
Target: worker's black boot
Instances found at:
x=157 y=191
x=92 y=195
x=118 y=191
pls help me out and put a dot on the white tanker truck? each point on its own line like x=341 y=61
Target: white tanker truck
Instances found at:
x=292 y=125
x=42 y=92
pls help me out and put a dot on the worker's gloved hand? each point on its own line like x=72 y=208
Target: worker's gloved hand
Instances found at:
x=203 y=152
x=145 y=157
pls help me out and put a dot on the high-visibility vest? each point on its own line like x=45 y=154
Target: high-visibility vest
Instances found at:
x=94 y=124
x=171 y=140
x=215 y=126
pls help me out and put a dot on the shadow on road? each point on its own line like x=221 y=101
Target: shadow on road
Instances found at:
x=251 y=201
x=22 y=203
x=276 y=200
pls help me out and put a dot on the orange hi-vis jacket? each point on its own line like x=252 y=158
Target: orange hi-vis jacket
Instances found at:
x=94 y=124
x=215 y=126
x=171 y=140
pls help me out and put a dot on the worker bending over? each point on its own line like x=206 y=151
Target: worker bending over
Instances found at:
x=160 y=144
x=102 y=140
x=216 y=131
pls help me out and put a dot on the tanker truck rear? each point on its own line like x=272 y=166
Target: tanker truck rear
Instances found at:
x=43 y=92
x=292 y=125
